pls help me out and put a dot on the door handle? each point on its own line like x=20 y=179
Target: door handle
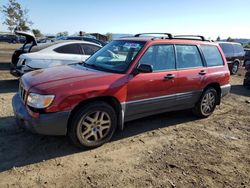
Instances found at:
x=202 y=72
x=169 y=76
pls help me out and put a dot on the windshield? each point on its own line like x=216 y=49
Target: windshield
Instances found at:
x=115 y=56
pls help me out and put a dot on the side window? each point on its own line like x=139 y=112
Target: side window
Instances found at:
x=212 y=55
x=227 y=48
x=68 y=49
x=238 y=49
x=161 y=57
x=89 y=49
x=188 y=56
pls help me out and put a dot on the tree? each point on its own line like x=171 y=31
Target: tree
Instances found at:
x=218 y=38
x=248 y=45
x=16 y=17
x=109 y=36
x=229 y=39
x=61 y=34
x=37 y=32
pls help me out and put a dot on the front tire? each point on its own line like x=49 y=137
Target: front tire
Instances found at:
x=206 y=104
x=92 y=125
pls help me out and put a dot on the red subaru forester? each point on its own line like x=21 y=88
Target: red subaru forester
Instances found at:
x=127 y=79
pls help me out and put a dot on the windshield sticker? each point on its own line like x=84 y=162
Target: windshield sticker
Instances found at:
x=131 y=45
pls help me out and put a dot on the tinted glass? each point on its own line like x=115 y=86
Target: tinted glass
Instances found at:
x=238 y=49
x=68 y=49
x=247 y=52
x=212 y=56
x=188 y=56
x=115 y=56
x=89 y=49
x=161 y=57
x=227 y=48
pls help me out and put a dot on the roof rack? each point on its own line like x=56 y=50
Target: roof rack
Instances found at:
x=190 y=37
x=170 y=36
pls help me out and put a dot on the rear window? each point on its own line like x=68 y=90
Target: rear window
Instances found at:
x=212 y=55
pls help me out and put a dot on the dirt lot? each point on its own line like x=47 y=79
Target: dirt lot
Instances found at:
x=168 y=150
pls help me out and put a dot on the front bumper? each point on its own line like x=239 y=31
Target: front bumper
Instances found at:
x=225 y=89
x=46 y=124
x=19 y=70
x=15 y=71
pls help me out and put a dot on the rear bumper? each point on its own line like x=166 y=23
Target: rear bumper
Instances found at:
x=246 y=81
x=225 y=89
x=46 y=124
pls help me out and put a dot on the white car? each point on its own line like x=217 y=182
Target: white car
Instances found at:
x=56 y=53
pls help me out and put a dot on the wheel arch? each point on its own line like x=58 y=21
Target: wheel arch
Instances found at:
x=112 y=101
x=216 y=86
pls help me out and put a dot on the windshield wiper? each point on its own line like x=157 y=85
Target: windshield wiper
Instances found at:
x=91 y=66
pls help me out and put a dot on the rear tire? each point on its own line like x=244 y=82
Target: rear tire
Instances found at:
x=92 y=125
x=207 y=103
x=235 y=68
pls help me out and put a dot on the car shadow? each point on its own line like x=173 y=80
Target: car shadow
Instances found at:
x=4 y=66
x=19 y=147
x=240 y=90
x=9 y=86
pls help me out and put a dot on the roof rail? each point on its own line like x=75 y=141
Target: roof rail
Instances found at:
x=168 y=34
x=190 y=37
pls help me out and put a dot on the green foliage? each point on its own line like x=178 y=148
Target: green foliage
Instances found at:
x=247 y=46
x=15 y=16
x=37 y=32
x=109 y=36
x=61 y=34
x=218 y=38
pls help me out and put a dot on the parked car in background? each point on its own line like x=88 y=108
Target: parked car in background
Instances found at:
x=83 y=39
x=32 y=45
x=45 y=40
x=247 y=56
x=30 y=42
x=234 y=53
x=54 y=54
x=9 y=38
x=127 y=79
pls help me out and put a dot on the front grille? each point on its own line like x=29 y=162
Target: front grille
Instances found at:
x=22 y=92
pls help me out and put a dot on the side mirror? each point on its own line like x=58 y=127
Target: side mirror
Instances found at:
x=144 y=68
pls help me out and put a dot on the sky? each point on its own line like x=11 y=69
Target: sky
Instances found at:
x=211 y=18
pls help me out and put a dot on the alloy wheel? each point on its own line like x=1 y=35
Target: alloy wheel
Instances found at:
x=208 y=103
x=94 y=126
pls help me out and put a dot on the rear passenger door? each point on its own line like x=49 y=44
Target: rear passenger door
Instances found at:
x=71 y=53
x=191 y=74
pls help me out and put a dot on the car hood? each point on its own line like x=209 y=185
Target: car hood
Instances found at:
x=30 y=37
x=69 y=77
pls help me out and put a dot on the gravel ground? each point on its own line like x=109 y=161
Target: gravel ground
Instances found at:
x=168 y=150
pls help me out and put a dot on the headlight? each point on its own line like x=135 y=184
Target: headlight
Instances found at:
x=39 y=101
x=21 y=62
